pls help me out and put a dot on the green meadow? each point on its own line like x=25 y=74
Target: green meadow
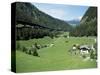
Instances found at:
x=53 y=58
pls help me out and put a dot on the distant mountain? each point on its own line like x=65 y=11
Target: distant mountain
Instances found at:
x=27 y=12
x=74 y=22
x=88 y=24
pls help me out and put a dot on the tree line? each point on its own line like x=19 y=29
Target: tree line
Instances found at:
x=30 y=33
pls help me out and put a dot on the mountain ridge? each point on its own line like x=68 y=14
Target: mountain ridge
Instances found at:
x=29 y=13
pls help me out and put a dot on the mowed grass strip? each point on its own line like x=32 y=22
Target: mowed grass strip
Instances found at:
x=56 y=57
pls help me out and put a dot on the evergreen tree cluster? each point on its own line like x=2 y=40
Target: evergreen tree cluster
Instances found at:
x=30 y=33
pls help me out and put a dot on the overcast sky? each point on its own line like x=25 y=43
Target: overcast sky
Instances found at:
x=61 y=11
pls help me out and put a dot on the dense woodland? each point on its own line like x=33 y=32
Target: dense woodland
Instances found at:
x=27 y=13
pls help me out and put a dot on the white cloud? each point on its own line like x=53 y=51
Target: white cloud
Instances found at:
x=80 y=17
x=57 y=13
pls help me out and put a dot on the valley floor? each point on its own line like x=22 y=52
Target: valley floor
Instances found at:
x=53 y=58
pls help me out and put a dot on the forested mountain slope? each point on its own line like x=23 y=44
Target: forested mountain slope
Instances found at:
x=27 y=12
x=88 y=24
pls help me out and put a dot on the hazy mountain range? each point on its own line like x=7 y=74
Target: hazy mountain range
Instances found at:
x=74 y=22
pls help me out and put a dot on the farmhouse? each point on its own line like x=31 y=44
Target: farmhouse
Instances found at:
x=84 y=49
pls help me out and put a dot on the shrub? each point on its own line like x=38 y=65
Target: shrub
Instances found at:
x=34 y=50
x=29 y=51
x=66 y=41
x=37 y=46
x=24 y=49
x=65 y=36
x=18 y=46
x=84 y=56
x=93 y=55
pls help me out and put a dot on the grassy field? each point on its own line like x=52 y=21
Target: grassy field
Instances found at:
x=56 y=57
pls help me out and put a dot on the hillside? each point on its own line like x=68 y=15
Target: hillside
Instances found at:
x=88 y=24
x=27 y=12
x=90 y=15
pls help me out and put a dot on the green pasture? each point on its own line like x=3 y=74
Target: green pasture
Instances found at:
x=53 y=58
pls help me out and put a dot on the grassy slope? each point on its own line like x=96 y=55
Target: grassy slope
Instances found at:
x=54 y=58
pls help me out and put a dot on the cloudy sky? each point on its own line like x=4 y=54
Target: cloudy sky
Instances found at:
x=61 y=11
